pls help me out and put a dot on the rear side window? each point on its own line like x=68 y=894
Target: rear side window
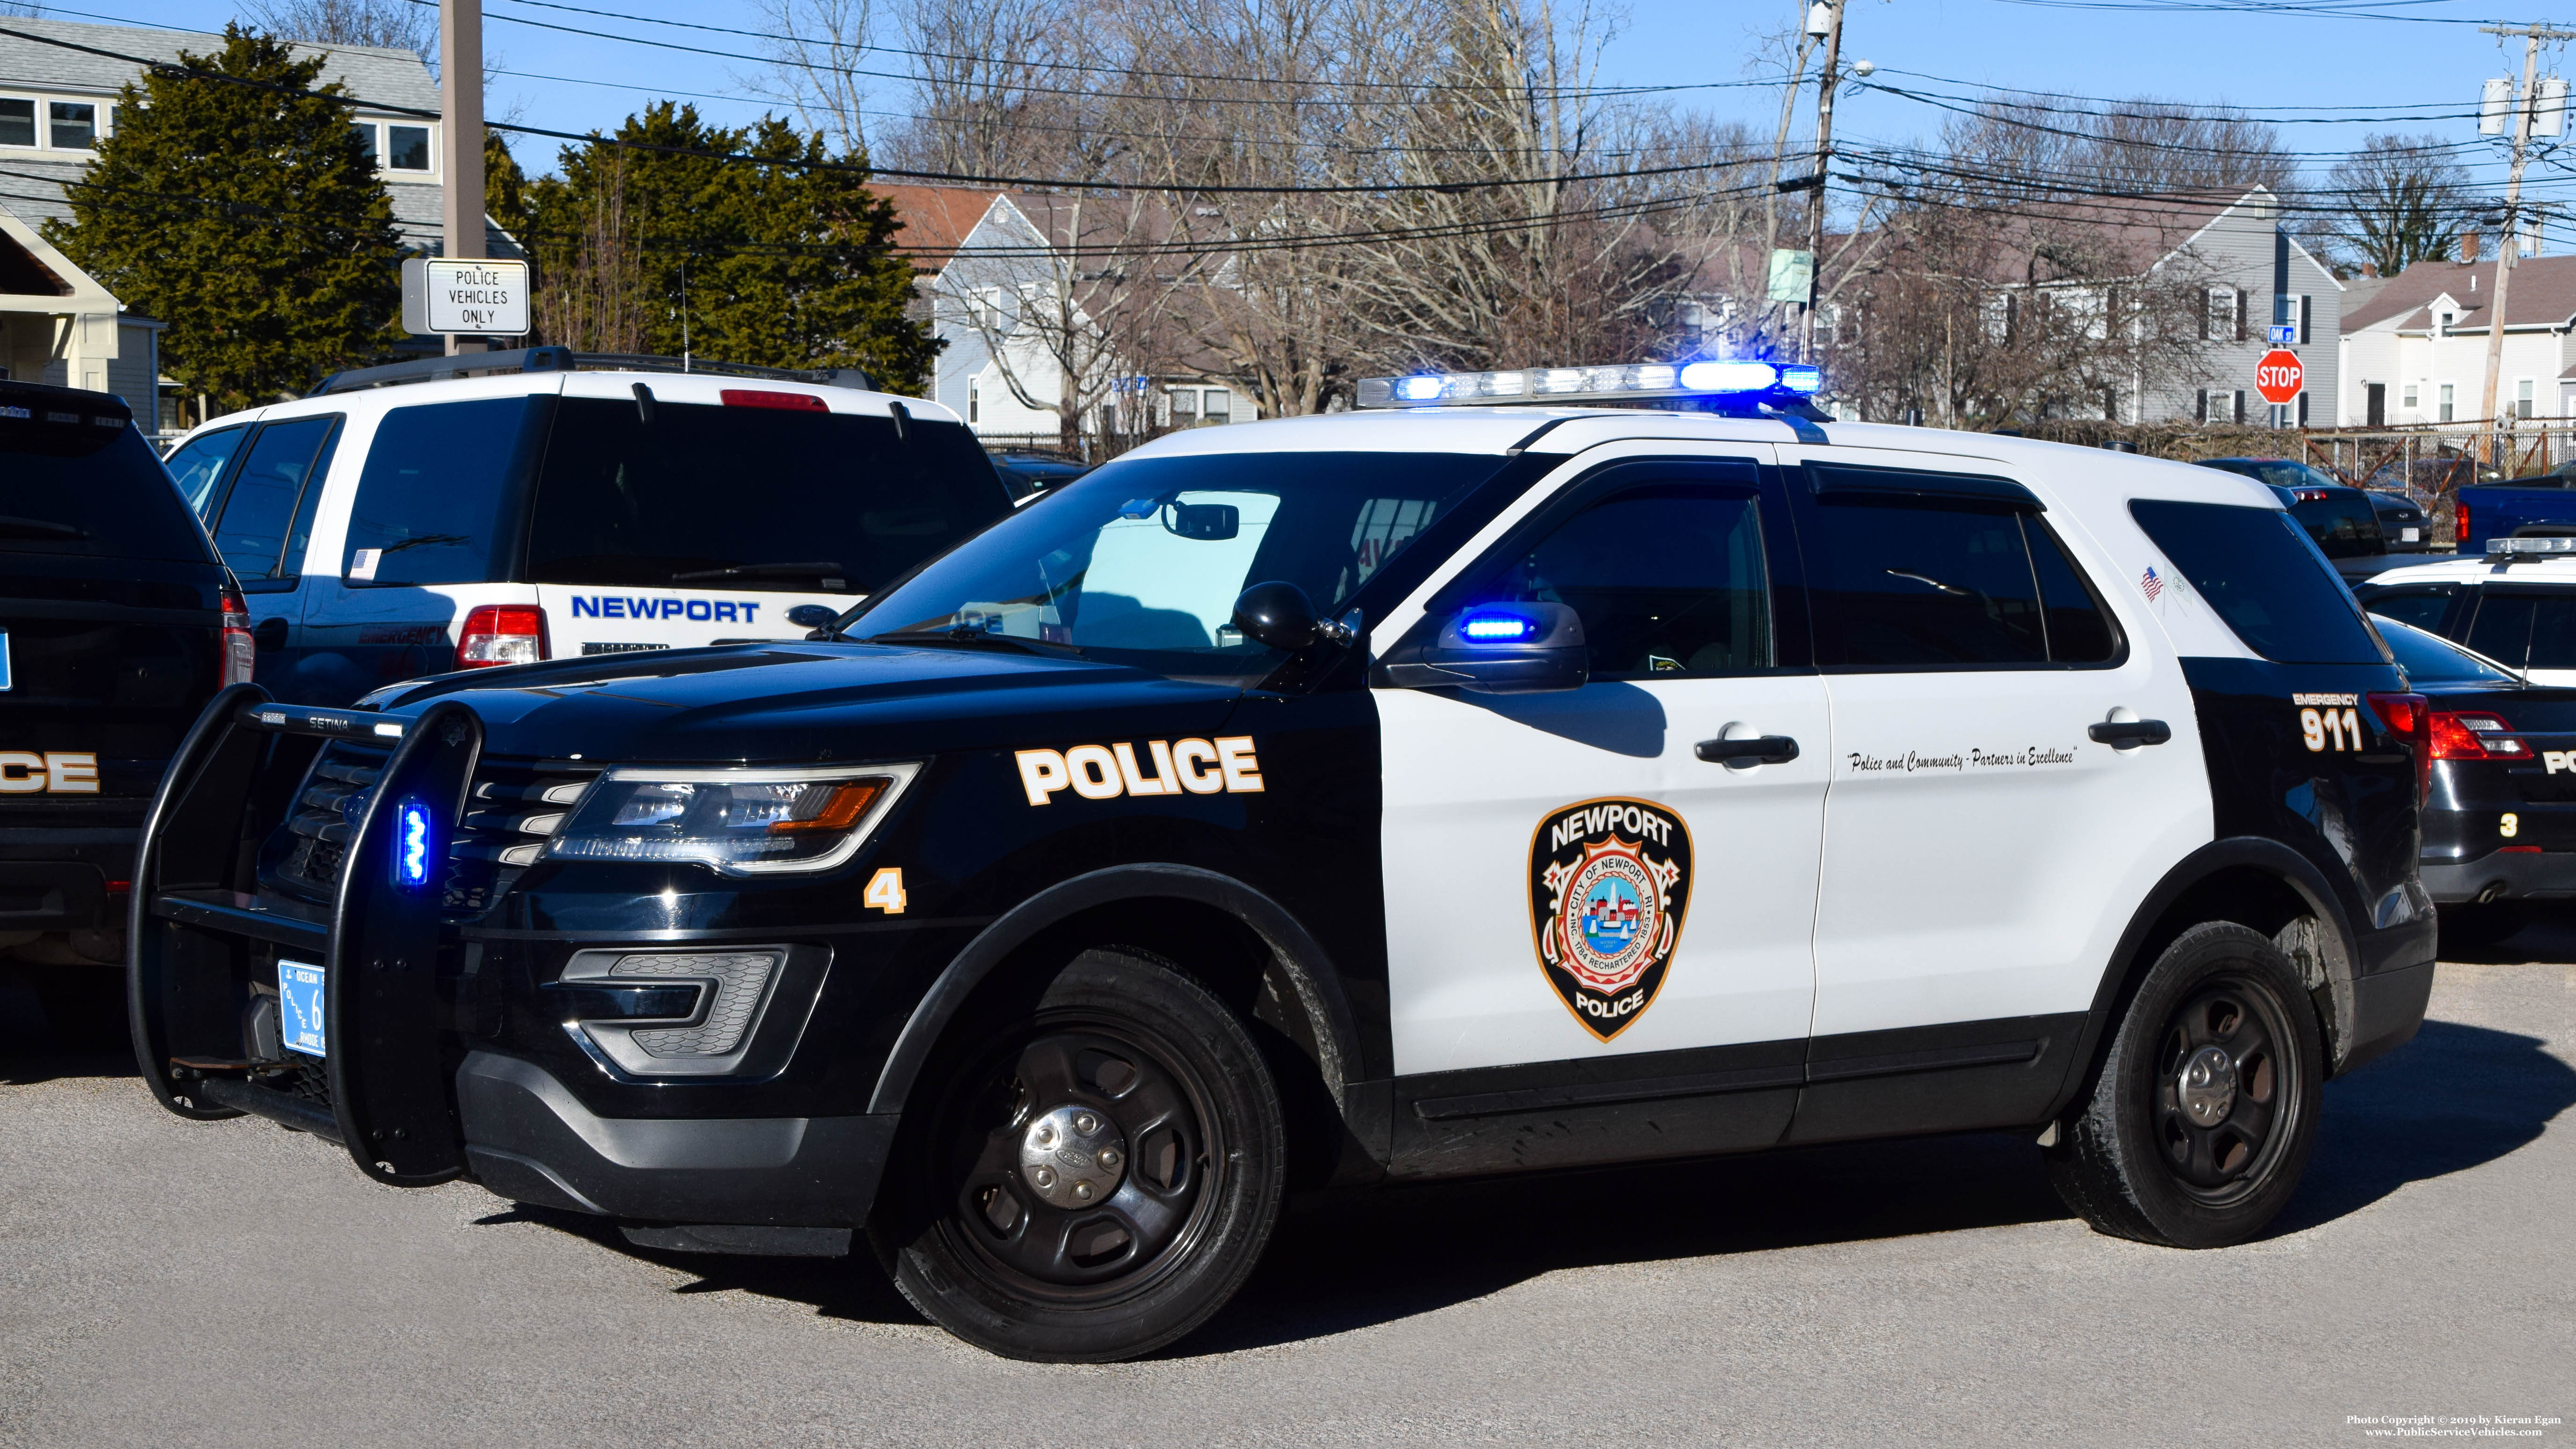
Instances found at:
x=199 y=466
x=437 y=500
x=268 y=512
x=2423 y=608
x=75 y=478
x=2263 y=576
x=1928 y=583
x=1669 y=580
x=751 y=496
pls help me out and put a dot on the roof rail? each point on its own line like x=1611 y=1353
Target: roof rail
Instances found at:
x=564 y=359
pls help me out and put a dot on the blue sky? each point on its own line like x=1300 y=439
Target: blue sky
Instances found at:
x=2206 y=53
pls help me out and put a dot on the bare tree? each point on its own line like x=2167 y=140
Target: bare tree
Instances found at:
x=2399 y=201
x=820 y=70
x=390 y=24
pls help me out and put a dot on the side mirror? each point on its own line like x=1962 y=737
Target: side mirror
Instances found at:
x=1279 y=615
x=1516 y=648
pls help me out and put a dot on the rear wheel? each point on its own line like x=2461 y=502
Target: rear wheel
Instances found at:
x=2476 y=927
x=1089 y=1176
x=2205 y=1111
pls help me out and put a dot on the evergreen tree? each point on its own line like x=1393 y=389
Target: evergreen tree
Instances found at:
x=505 y=186
x=765 y=260
x=247 y=217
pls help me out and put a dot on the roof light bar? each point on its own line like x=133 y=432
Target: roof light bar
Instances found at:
x=1787 y=381
x=2531 y=545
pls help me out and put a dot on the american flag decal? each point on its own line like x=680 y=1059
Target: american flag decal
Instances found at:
x=2150 y=581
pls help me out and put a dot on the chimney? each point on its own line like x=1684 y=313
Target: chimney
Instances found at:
x=2370 y=269
x=2468 y=247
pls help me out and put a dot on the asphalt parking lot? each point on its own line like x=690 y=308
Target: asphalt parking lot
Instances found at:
x=168 y=1283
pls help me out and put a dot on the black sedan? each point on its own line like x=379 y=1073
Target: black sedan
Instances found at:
x=2341 y=518
x=2401 y=523
x=2499 y=821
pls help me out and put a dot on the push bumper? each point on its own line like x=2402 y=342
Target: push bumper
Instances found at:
x=2502 y=874
x=527 y=1138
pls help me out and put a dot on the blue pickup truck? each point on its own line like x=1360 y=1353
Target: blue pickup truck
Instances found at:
x=2539 y=507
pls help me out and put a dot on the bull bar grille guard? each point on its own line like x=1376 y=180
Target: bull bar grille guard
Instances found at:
x=198 y=928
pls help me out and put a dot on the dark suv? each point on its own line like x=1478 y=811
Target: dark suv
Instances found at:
x=2343 y=520
x=117 y=624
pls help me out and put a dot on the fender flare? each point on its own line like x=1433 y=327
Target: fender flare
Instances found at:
x=2269 y=856
x=1298 y=954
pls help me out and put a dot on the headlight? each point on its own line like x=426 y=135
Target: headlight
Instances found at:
x=742 y=822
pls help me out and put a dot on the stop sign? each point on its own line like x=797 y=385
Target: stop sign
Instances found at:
x=2279 y=376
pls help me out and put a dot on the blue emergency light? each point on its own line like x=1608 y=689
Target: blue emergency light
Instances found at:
x=1498 y=628
x=1784 y=382
x=411 y=845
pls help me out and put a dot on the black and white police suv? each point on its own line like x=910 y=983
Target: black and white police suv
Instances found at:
x=406 y=520
x=1404 y=794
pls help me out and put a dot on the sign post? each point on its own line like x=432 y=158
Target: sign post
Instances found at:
x=2279 y=376
x=442 y=297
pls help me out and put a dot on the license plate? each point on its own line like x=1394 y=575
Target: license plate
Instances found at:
x=299 y=991
x=2408 y=535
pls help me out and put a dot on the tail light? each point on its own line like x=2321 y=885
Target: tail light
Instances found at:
x=497 y=634
x=237 y=654
x=2311 y=495
x=2460 y=525
x=2472 y=735
x=2410 y=717
x=794 y=402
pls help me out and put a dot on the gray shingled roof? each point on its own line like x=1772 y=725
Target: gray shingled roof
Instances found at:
x=378 y=79
x=2544 y=294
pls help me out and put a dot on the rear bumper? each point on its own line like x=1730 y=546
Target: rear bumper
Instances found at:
x=529 y=1139
x=2502 y=874
x=2386 y=1011
x=59 y=894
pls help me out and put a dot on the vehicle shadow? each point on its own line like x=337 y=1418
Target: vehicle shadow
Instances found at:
x=33 y=1050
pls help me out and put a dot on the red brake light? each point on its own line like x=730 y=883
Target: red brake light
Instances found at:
x=237 y=654
x=2311 y=495
x=2476 y=736
x=2411 y=717
x=799 y=402
x=2460 y=524
x=497 y=634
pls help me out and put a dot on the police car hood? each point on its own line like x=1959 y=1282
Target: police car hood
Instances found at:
x=804 y=702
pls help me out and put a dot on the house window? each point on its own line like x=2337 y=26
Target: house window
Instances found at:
x=365 y=131
x=17 y=123
x=1185 y=407
x=2442 y=324
x=2522 y=398
x=2444 y=414
x=1218 y=406
x=74 y=125
x=406 y=148
x=2226 y=319
x=1829 y=321
x=974 y=402
x=2409 y=402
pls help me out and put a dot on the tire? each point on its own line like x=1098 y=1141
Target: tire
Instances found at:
x=1087 y=1175
x=2163 y=1151
x=2476 y=927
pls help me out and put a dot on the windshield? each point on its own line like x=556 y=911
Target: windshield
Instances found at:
x=76 y=478
x=1142 y=560
x=2429 y=658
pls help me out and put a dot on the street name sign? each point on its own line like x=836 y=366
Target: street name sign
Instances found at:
x=2279 y=376
x=2285 y=334
x=470 y=298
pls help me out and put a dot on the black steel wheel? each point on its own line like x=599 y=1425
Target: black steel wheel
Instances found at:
x=2201 y=1120
x=1088 y=1176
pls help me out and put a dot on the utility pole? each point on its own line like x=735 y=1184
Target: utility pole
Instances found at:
x=1826 y=84
x=2509 y=242
x=460 y=137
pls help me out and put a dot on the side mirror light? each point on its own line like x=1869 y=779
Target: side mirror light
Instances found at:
x=1515 y=648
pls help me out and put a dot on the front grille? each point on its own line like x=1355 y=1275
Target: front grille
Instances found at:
x=513 y=807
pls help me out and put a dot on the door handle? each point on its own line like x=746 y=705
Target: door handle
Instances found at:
x=1751 y=750
x=2128 y=734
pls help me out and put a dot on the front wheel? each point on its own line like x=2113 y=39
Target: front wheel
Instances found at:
x=2205 y=1111
x=1089 y=1176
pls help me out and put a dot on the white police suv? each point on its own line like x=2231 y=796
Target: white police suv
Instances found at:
x=1425 y=792
x=408 y=520
x=2516 y=604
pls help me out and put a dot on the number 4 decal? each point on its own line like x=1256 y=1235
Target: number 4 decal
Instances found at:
x=885 y=891
x=2331 y=728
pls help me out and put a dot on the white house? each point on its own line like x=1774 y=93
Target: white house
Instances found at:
x=58 y=100
x=991 y=263
x=2416 y=350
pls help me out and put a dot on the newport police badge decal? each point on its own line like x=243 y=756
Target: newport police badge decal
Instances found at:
x=1609 y=883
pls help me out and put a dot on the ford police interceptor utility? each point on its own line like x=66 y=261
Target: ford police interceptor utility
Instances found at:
x=404 y=520
x=1406 y=794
